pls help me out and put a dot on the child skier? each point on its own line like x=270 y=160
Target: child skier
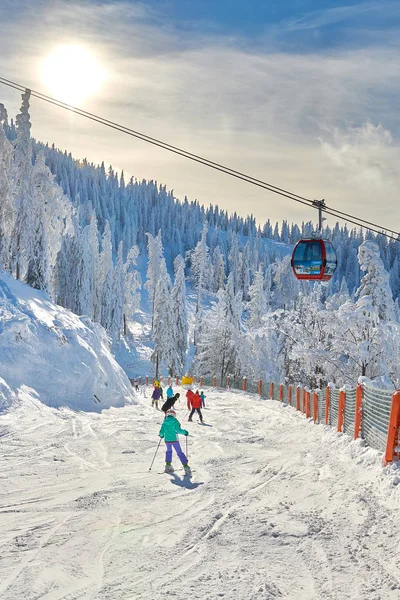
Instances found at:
x=195 y=402
x=169 y=431
x=203 y=399
x=156 y=396
x=170 y=392
x=169 y=403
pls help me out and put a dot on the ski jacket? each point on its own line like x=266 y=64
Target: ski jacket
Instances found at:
x=156 y=393
x=202 y=396
x=189 y=396
x=195 y=401
x=170 y=428
x=170 y=392
x=169 y=403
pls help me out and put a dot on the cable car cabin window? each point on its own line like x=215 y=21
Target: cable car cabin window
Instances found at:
x=307 y=259
x=331 y=259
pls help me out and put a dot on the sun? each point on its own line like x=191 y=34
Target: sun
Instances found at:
x=72 y=74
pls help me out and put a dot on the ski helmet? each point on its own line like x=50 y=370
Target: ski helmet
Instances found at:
x=171 y=412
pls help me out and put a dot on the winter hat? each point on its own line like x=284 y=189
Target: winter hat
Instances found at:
x=171 y=412
x=177 y=395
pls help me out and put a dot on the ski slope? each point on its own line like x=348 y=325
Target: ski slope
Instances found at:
x=276 y=507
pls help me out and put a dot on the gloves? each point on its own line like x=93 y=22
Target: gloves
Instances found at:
x=185 y=432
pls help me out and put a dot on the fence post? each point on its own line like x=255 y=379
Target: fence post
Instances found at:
x=315 y=407
x=244 y=384
x=281 y=393
x=201 y=382
x=303 y=401
x=169 y=380
x=289 y=395
x=259 y=387
x=342 y=400
x=147 y=380
x=176 y=380
x=358 y=415
x=392 y=450
x=271 y=391
x=228 y=383
x=308 y=408
x=194 y=381
x=327 y=404
x=214 y=382
x=298 y=397
x=140 y=381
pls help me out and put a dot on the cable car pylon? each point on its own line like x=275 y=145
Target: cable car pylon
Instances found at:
x=314 y=259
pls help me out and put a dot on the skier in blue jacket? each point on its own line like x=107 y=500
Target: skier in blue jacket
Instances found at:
x=169 y=431
x=170 y=392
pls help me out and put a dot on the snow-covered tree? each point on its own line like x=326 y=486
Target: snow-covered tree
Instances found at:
x=22 y=173
x=7 y=209
x=113 y=298
x=133 y=284
x=366 y=335
x=155 y=252
x=179 y=302
x=219 y=346
x=201 y=269
x=258 y=303
x=164 y=324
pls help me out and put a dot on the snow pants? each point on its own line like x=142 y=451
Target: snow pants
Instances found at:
x=199 y=413
x=178 y=450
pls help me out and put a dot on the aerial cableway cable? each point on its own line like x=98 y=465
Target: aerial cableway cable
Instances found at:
x=206 y=162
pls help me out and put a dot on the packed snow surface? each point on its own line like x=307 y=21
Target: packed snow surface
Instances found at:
x=46 y=350
x=276 y=507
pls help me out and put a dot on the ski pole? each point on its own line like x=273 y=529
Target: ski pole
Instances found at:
x=155 y=455
x=187 y=451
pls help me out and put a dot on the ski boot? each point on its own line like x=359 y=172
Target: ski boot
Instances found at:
x=169 y=468
x=188 y=470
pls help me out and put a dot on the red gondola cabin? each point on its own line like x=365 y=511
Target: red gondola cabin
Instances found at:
x=314 y=260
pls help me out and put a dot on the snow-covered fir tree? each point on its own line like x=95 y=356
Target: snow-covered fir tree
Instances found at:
x=164 y=325
x=179 y=307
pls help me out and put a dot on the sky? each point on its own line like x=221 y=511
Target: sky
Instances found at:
x=301 y=94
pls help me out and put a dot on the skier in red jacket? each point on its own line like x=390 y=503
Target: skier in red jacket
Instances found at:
x=189 y=396
x=194 y=402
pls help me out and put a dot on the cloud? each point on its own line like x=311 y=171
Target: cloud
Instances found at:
x=340 y=14
x=319 y=124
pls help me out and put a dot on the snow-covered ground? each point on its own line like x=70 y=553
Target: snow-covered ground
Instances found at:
x=48 y=351
x=276 y=507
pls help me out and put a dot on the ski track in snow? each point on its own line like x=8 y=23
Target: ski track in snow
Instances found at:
x=276 y=507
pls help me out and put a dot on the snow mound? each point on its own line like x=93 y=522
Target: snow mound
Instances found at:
x=63 y=358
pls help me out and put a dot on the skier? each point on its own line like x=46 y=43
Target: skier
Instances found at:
x=156 y=396
x=189 y=396
x=169 y=430
x=170 y=392
x=203 y=399
x=136 y=384
x=195 y=403
x=169 y=403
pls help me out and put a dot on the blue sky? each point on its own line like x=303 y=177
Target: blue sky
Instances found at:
x=302 y=94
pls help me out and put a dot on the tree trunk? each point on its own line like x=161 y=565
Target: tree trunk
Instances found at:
x=125 y=324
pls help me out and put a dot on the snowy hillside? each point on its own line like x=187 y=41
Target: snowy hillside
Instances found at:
x=50 y=353
x=276 y=507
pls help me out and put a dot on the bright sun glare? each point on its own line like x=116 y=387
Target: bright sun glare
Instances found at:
x=71 y=74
